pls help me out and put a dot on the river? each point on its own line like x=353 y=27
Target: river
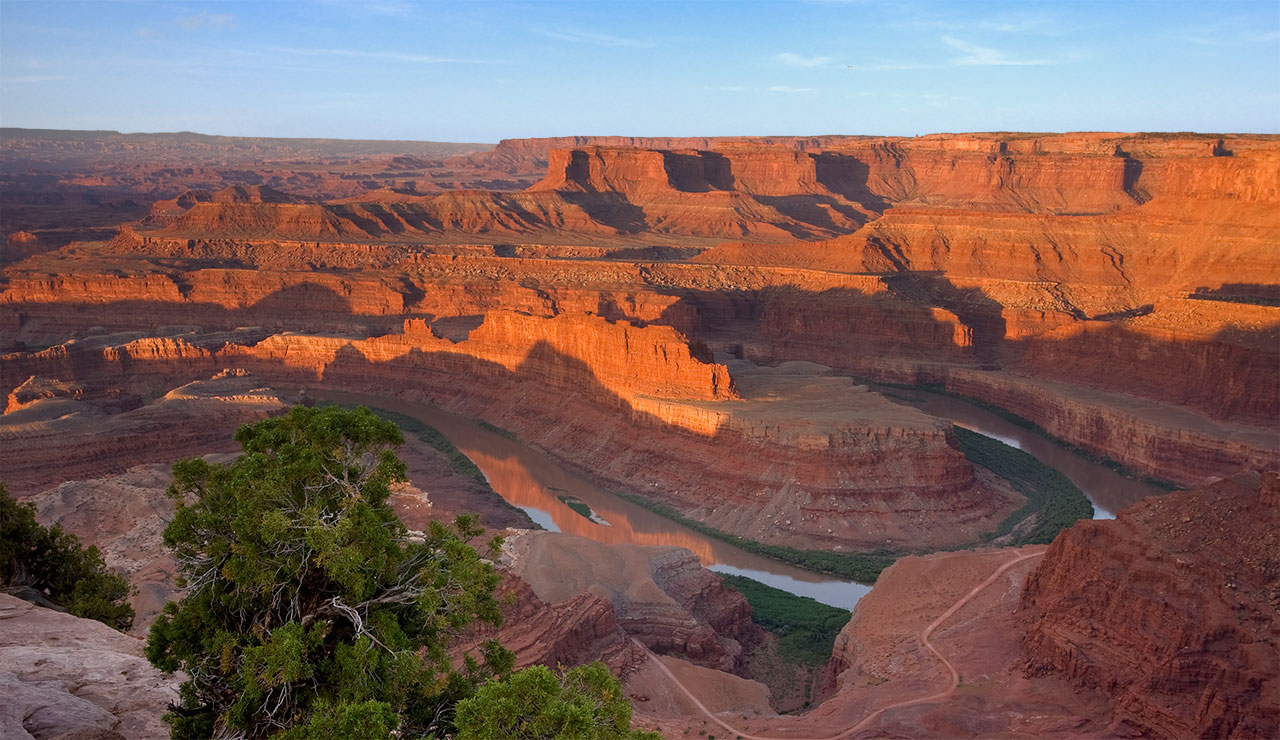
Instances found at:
x=1108 y=490
x=562 y=501
x=538 y=485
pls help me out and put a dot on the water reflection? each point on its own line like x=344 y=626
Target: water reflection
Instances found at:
x=1108 y=490
x=532 y=481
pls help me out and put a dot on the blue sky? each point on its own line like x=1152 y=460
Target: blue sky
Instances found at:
x=480 y=71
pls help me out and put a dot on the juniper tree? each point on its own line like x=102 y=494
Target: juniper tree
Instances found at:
x=308 y=612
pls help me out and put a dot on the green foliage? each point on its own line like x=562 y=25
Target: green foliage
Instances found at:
x=578 y=506
x=54 y=563
x=1052 y=498
x=308 y=613
x=806 y=628
x=1093 y=457
x=583 y=703
x=1025 y=423
x=861 y=567
x=504 y=433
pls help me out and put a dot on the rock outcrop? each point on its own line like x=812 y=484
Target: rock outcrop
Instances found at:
x=124 y=516
x=55 y=439
x=577 y=630
x=1170 y=611
x=999 y=264
x=661 y=596
x=61 y=674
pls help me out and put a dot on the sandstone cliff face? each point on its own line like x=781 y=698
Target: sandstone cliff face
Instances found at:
x=1170 y=442
x=765 y=189
x=1066 y=257
x=577 y=630
x=60 y=673
x=1171 y=610
x=661 y=596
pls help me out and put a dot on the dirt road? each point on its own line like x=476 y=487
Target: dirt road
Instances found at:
x=924 y=640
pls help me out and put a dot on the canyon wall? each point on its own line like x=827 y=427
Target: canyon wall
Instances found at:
x=54 y=435
x=1111 y=264
x=637 y=408
x=661 y=595
x=1170 y=611
x=1165 y=441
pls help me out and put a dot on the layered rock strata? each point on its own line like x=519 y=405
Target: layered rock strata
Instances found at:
x=1171 y=442
x=804 y=455
x=55 y=439
x=660 y=595
x=1170 y=611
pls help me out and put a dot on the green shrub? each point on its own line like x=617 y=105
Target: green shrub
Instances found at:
x=583 y=703
x=54 y=563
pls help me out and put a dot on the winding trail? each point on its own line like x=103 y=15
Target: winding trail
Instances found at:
x=924 y=640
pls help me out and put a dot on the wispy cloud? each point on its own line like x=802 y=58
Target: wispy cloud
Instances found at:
x=972 y=55
x=32 y=79
x=393 y=8
x=204 y=20
x=770 y=89
x=981 y=56
x=390 y=56
x=580 y=36
x=796 y=60
x=1216 y=37
x=893 y=66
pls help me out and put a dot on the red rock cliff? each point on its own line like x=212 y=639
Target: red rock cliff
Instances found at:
x=1170 y=609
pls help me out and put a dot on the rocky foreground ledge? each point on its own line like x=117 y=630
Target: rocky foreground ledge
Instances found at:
x=63 y=677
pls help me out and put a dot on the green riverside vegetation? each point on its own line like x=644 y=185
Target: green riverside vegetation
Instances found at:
x=806 y=628
x=861 y=567
x=505 y=433
x=1052 y=498
x=578 y=506
x=55 y=565
x=1093 y=457
x=1025 y=423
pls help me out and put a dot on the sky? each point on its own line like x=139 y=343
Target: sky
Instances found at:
x=481 y=71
